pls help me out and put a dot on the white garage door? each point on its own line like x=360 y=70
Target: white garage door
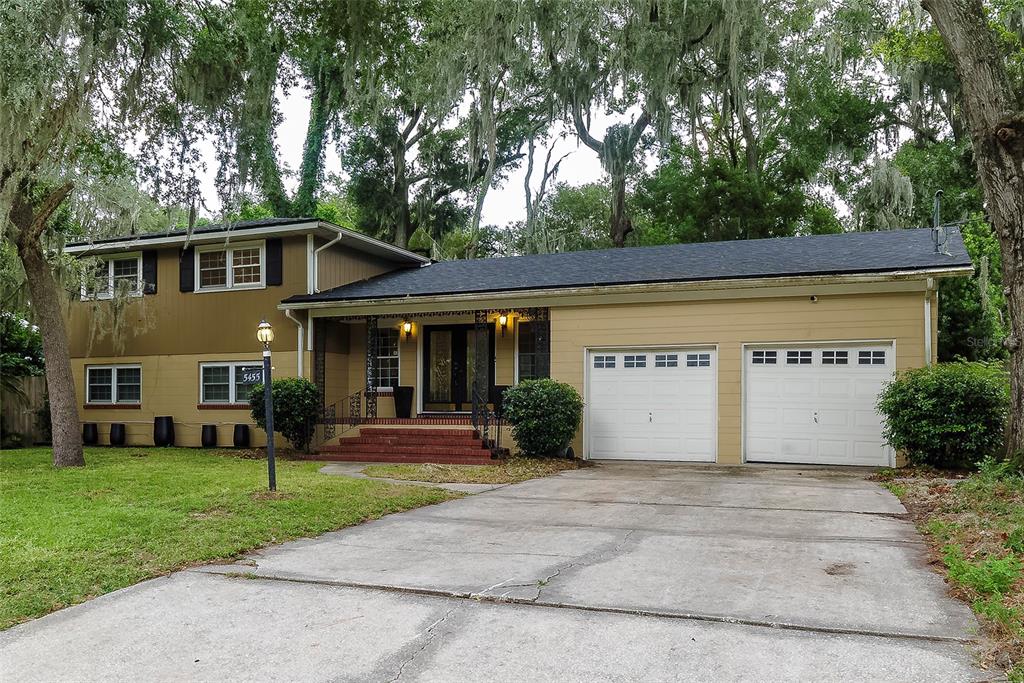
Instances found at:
x=816 y=404
x=645 y=404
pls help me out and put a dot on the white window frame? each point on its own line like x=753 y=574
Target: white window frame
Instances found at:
x=108 y=293
x=232 y=366
x=397 y=357
x=113 y=384
x=229 y=250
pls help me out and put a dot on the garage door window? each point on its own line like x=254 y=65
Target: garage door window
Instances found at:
x=871 y=357
x=798 y=357
x=634 y=361
x=698 y=360
x=835 y=357
x=604 y=361
x=666 y=360
x=764 y=357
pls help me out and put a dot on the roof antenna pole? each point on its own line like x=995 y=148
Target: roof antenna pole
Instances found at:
x=939 y=233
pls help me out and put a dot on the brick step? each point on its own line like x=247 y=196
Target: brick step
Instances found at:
x=415 y=431
x=408 y=449
x=417 y=440
x=356 y=456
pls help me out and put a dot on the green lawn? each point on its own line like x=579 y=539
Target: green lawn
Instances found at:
x=135 y=513
x=505 y=472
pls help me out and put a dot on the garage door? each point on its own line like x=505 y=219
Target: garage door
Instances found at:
x=645 y=404
x=816 y=404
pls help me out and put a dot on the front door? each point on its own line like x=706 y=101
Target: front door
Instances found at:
x=449 y=364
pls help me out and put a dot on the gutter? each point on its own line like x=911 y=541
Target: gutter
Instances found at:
x=639 y=288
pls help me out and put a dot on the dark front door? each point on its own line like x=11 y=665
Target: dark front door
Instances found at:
x=449 y=366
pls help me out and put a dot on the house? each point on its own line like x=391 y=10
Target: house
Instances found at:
x=748 y=351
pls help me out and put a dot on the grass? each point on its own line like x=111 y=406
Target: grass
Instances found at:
x=509 y=471
x=136 y=513
x=975 y=529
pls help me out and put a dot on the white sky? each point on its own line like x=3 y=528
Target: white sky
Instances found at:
x=504 y=204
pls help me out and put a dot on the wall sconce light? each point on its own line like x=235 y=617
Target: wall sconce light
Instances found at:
x=406 y=330
x=503 y=322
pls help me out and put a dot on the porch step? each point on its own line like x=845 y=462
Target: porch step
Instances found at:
x=448 y=446
x=425 y=440
x=416 y=432
x=356 y=456
x=407 y=449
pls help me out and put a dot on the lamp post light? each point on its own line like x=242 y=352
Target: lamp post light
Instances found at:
x=265 y=334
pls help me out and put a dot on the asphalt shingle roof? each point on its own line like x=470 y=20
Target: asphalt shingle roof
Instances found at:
x=846 y=253
x=218 y=227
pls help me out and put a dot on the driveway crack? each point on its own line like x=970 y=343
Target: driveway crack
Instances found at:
x=428 y=636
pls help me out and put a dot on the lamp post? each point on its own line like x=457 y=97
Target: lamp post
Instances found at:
x=265 y=334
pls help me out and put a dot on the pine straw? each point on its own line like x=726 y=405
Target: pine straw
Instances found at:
x=509 y=471
x=977 y=515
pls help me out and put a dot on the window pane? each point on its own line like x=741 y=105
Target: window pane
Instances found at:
x=245 y=264
x=129 y=385
x=246 y=376
x=216 y=384
x=100 y=388
x=387 y=342
x=387 y=372
x=126 y=274
x=213 y=271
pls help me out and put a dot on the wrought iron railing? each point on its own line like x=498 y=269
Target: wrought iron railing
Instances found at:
x=486 y=422
x=351 y=411
x=324 y=428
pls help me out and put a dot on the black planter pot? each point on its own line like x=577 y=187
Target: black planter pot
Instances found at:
x=403 y=401
x=209 y=436
x=241 y=436
x=117 y=435
x=163 y=431
x=90 y=434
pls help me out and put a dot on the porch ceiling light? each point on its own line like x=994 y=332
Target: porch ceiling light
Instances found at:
x=265 y=333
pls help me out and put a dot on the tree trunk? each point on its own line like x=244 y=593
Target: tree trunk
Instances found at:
x=997 y=134
x=400 y=196
x=312 y=168
x=621 y=225
x=60 y=382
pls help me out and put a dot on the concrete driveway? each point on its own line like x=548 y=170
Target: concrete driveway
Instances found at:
x=616 y=572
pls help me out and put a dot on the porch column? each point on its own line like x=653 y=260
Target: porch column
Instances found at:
x=371 y=366
x=481 y=360
x=320 y=361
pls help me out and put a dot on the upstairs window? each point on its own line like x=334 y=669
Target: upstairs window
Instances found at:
x=239 y=266
x=120 y=275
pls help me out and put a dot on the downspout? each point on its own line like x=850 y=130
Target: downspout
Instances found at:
x=928 y=321
x=301 y=347
x=315 y=285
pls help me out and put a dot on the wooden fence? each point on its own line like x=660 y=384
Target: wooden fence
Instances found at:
x=19 y=415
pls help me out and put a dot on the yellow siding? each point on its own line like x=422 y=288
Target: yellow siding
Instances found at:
x=170 y=386
x=176 y=322
x=340 y=265
x=729 y=324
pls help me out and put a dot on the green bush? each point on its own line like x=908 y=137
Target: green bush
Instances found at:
x=947 y=415
x=296 y=406
x=544 y=415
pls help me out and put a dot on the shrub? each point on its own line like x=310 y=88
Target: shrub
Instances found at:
x=947 y=415
x=993 y=575
x=296 y=407
x=544 y=415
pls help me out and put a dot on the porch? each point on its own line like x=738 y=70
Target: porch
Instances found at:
x=421 y=374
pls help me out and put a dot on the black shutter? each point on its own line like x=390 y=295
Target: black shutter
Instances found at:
x=187 y=270
x=149 y=272
x=274 y=258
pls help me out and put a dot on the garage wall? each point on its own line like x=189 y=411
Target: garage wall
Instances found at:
x=730 y=324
